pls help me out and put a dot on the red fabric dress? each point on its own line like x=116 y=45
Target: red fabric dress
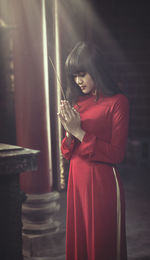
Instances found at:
x=95 y=198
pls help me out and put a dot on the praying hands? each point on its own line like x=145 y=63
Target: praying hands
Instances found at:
x=70 y=119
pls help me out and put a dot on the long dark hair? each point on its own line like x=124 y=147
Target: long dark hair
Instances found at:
x=87 y=57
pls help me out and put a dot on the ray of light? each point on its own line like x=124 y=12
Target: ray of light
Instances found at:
x=58 y=91
x=46 y=83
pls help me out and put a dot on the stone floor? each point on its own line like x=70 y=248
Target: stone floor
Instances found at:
x=137 y=189
x=136 y=182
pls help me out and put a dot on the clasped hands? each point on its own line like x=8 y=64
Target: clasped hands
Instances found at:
x=70 y=119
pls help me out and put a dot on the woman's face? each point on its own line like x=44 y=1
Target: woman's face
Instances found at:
x=85 y=82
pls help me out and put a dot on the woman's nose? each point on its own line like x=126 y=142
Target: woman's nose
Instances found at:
x=79 y=80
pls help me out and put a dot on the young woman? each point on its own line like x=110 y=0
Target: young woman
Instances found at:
x=96 y=135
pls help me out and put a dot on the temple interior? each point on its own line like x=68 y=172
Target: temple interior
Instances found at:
x=35 y=39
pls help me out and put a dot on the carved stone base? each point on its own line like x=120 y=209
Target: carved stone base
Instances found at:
x=42 y=235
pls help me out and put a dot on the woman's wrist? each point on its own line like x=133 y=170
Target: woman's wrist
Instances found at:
x=69 y=138
x=80 y=134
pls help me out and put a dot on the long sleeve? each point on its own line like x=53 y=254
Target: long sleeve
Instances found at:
x=95 y=149
x=67 y=149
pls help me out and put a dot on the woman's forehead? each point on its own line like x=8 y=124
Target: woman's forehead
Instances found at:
x=79 y=73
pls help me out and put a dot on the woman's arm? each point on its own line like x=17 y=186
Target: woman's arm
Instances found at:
x=67 y=146
x=95 y=149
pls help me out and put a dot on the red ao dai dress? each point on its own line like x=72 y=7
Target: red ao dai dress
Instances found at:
x=95 y=227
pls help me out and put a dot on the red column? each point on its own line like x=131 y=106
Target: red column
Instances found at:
x=31 y=88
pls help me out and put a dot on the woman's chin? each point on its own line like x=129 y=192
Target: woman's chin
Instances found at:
x=85 y=91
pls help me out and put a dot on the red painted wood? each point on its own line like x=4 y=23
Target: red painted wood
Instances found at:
x=31 y=121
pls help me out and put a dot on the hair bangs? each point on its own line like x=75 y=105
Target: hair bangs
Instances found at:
x=75 y=64
x=77 y=60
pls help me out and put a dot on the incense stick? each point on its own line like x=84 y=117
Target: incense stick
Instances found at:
x=61 y=88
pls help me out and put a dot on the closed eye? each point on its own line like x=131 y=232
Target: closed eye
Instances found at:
x=80 y=74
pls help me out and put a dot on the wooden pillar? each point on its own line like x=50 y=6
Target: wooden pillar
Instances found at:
x=41 y=234
x=32 y=91
x=53 y=11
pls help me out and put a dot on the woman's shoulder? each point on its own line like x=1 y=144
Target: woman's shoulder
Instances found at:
x=120 y=103
x=114 y=101
x=119 y=98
